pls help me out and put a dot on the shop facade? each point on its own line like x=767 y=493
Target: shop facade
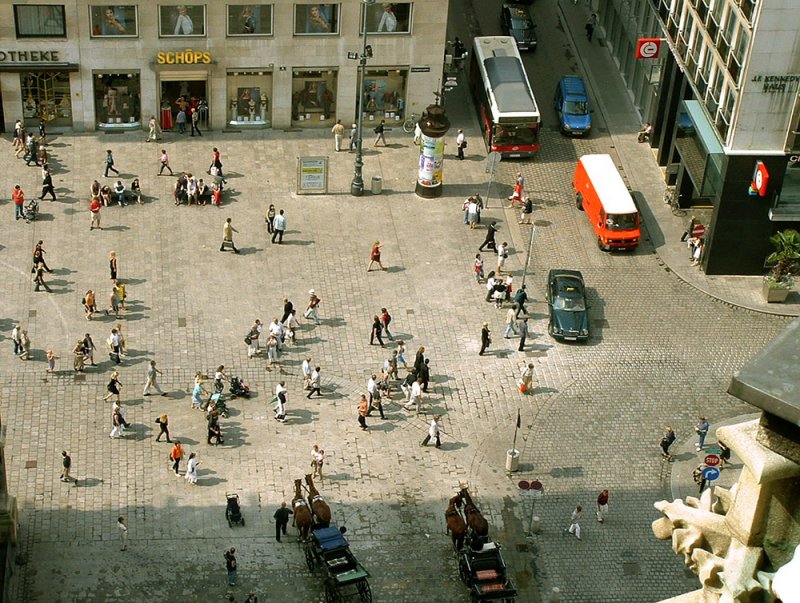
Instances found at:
x=82 y=65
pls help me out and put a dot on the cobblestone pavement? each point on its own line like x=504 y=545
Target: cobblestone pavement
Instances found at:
x=661 y=353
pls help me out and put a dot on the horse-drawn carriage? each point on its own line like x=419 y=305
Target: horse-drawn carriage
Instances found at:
x=345 y=577
x=480 y=563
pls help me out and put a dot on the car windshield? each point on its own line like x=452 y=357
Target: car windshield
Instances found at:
x=576 y=107
x=521 y=23
x=510 y=134
x=568 y=297
x=621 y=221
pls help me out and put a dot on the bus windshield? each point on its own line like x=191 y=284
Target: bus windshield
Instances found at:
x=514 y=134
x=621 y=221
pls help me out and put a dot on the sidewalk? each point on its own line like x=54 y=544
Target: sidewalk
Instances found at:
x=644 y=176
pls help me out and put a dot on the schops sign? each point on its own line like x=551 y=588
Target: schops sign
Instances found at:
x=648 y=48
x=758 y=187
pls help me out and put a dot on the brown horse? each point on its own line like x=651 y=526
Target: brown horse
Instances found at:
x=302 y=513
x=475 y=520
x=319 y=507
x=455 y=522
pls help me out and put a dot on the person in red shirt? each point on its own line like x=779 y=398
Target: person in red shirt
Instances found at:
x=19 y=200
x=95 y=209
x=602 y=505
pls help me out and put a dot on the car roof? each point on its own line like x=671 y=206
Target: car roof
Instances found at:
x=517 y=10
x=573 y=84
x=563 y=272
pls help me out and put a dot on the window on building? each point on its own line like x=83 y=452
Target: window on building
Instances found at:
x=249 y=19
x=704 y=71
x=316 y=19
x=388 y=17
x=748 y=8
x=40 y=21
x=113 y=21
x=726 y=34
x=182 y=20
x=703 y=8
x=715 y=92
x=737 y=56
x=117 y=100
x=723 y=120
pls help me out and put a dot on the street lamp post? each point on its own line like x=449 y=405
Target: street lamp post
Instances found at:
x=357 y=184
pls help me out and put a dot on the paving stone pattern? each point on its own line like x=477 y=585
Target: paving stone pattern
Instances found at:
x=661 y=353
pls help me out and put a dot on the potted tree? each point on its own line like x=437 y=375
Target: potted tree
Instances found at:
x=784 y=263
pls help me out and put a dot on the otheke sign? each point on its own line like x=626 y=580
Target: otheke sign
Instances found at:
x=184 y=57
x=28 y=56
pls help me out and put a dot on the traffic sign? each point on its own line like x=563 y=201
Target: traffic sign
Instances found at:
x=712 y=460
x=713 y=450
x=648 y=48
x=524 y=484
x=710 y=473
x=698 y=231
x=537 y=489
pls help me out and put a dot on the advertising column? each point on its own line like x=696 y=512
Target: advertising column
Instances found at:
x=434 y=125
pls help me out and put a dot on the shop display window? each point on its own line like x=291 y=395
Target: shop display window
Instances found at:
x=182 y=20
x=249 y=19
x=249 y=98
x=110 y=20
x=316 y=19
x=117 y=100
x=40 y=21
x=388 y=18
x=313 y=98
x=46 y=96
x=383 y=94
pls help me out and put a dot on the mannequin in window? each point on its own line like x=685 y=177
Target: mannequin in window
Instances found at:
x=264 y=101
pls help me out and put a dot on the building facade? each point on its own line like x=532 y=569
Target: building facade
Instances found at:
x=80 y=65
x=726 y=113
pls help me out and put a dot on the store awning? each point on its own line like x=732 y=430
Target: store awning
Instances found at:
x=27 y=67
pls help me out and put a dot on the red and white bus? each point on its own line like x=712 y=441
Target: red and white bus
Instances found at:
x=508 y=111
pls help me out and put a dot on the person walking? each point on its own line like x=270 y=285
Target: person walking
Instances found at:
x=511 y=320
x=666 y=442
x=175 y=455
x=374 y=397
x=47 y=184
x=486 y=340
x=602 y=506
x=338 y=135
x=110 y=164
x=502 y=256
x=163 y=424
x=152 y=380
x=415 y=396
x=317 y=461
x=113 y=387
x=38 y=279
x=314 y=378
x=363 y=409
x=195 y=119
x=379 y=130
x=123 y=533
x=519 y=187
x=281 y=399
x=51 y=361
x=164 y=160
x=116 y=425
x=527 y=211
x=270 y=217
x=376 y=331
x=522 y=325
x=520 y=297
x=701 y=429
x=375 y=256
x=489 y=240
x=312 y=309
x=227 y=236
x=433 y=432
x=281 y=517
x=191 y=469
x=574 y=525
x=18 y=195
x=230 y=566
x=526 y=379
x=180 y=119
x=152 y=134
x=699 y=477
x=66 y=465
x=591 y=23
x=279 y=227
x=461 y=143
x=79 y=356
x=386 y=320
x=94 y=209
x=353 y=137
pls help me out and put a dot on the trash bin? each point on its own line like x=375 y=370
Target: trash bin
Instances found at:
x=377 y=185
x=512 y=460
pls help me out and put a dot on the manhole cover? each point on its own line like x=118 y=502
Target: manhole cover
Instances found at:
x=631 y=568
x=543 y=222
x=30 y=464
x=80 y=377
x=409 y=312
x=31 y=313
x=181 y=322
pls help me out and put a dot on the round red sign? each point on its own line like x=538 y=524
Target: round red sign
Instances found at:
x=712 y=460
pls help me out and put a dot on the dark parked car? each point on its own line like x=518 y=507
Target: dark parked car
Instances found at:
x=516 y=22
x=566 y=298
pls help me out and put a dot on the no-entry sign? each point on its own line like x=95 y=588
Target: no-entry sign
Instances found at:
x=648 y=48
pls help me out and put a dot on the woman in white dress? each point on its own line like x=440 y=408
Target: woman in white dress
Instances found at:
x=191 y=468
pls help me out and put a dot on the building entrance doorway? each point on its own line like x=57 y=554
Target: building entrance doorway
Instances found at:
x=183 y=90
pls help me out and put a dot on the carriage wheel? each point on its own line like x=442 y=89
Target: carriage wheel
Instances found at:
x=332 y=593
x=463 y=571
x=365 y=592
x=309 y=558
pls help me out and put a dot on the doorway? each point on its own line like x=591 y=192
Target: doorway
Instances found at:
x=193 y=91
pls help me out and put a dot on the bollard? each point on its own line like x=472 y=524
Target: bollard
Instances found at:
x=536 y=525
x=512 y=460
x=555 y=595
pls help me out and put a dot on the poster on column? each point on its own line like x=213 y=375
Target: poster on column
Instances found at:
x=430 y=161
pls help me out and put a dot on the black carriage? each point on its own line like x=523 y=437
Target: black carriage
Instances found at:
x=484 y=572
x=346 y=578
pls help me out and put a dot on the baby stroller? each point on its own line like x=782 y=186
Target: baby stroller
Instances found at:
x=233 y=512
x=239 y=388
x=217 y=402
x=30 y=210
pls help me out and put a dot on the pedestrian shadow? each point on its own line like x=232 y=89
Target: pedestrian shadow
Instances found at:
x=249 y=250
x=333 y=322
x=88 y=482
x=42 y=216
x=62 y=198
x=133 y=281
x=395 y=269
x=185 y=442
x=134 y=316
x=117 y=228
x=301 y=416
x=381 y=425
x=210 y=481
x=685 y=456
x=543 y=390
x=453 y=445
x=297 y=242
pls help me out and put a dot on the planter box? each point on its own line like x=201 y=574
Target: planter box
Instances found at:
x=775 y=295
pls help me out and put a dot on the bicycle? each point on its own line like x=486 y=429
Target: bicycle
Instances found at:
x=671 y=198
x=410 y=124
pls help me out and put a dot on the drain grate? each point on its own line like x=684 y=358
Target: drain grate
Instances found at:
x=631 y=568
x=31 y=313
x=80 y=377
x=181 y=322
x=31 y=464
x=522 y=547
